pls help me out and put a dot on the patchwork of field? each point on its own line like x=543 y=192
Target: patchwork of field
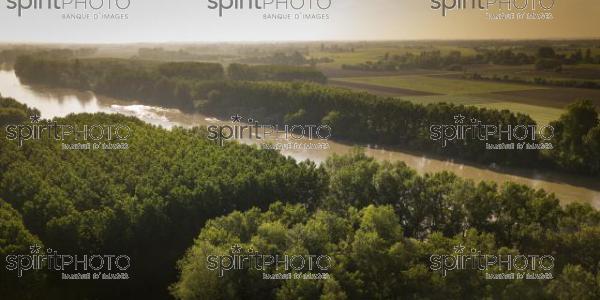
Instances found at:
x=361 y=53
x=438 y=85
x=333 y=72
x=377 y=89
x=549 y=97
x=541 y=114
x=544 y=104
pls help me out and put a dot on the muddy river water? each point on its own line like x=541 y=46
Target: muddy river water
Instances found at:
x=54 y=102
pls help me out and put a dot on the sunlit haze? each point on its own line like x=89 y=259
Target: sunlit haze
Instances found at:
x=193 y=21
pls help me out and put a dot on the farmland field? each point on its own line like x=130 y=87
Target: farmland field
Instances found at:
x=542 y=115
x=440 y=85
x=549 y=97
x=583 y=72
x=496 y=75
x=543 y=103
x=361 y=54
x=377 y=89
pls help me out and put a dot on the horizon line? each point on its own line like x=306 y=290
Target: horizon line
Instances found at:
x=300 y=41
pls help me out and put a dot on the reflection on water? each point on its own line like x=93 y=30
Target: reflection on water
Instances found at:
x=61 y=102
x=150 y=114
x=55 y=102
x=51 y=102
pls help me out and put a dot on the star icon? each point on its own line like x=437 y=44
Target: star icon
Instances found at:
x=34 y=118
x=460 y=119
x=35 y=249
x=236 y=119
x=236 y=249
x=459 y=249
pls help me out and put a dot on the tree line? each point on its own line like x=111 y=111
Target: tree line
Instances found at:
x=544 y=59
x=355 y=116
x=560 y=82
x=274 y=73
x=10 y=56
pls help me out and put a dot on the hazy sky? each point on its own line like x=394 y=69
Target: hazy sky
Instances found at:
x=192 y=20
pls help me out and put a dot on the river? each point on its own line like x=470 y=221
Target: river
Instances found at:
x=54 y=102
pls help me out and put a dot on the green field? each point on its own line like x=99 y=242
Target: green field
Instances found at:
x=364 y=54
x=438 y=85
x=544 y=103
x=541 y=114
x=581 y=72
x=485 y=94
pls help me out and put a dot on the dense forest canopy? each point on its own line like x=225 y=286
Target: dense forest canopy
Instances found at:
x=373 y=258
x=158 y=192
x=379 y=221
x=14 y=112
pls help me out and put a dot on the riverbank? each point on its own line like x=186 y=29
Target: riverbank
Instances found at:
x=61 y=102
